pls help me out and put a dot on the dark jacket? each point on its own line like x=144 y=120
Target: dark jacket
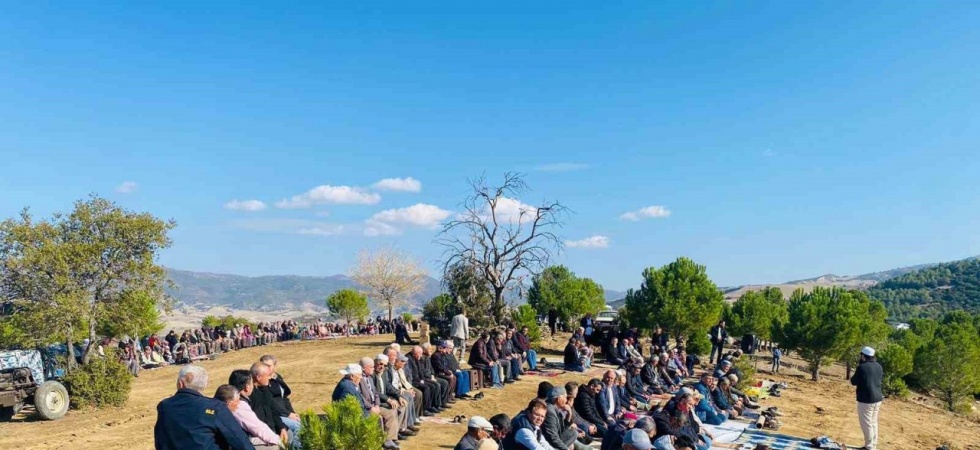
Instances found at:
x=368 y=388
x=602 y=403
x=441 y=364
x=266 y=408
x=518 y=423
x=345 y=388
x=191 y=420
x=585 y=406
x=612 y=354
x=521 y=342
x=650 y=377
x=493 y=350
x=635 y=387
x=714 y=334
x=557 y=431
x=416 y=371
x=613 y=440
x=479 y=358
x=386 y=390
x=280 y=393
x=660 y=340
x=426 y=365
x=571 y=355
x=867 y=378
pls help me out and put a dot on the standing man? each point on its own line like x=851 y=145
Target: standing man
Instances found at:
x=460 y=332
x=867 y=378
x=718 y=338
x=553 y=320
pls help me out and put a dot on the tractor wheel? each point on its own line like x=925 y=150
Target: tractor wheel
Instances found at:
x=51 y=400
x=6 y=413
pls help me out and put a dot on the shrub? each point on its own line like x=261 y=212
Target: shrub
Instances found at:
x=526 y=316
x=698 y=344
x=746 y=367
x=408 y=317
x=101 y=382
x=896 y=363
x=343 y=426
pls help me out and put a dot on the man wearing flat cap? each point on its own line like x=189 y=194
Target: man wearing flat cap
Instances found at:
x=867 y=378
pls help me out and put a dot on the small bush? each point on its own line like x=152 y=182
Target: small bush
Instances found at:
x=698 y=344
x=101 y=382
x=746 y=367
x=526 y=316
x=343 y=426
x=896 y=362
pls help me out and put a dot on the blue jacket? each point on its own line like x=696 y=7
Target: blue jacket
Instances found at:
x=602 y=403
x=191 y=420
x=720 y=399
x=347 y=387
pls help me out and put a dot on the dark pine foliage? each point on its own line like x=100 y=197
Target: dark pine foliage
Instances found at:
x=932 y=292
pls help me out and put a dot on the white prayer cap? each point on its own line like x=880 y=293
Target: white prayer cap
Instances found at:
x=868 y=351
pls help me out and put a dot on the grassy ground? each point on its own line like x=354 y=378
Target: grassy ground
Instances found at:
x=311 y=369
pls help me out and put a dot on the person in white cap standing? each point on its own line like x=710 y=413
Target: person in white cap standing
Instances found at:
x=478 y=429
x=867 y=378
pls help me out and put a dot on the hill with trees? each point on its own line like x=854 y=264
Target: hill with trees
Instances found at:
x=932 y=291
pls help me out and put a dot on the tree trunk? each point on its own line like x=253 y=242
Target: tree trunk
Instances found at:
x=497 y=308
x=390 y=308
x=91 y=336
x=815 y=371
x=70 y=364
x=847 y=376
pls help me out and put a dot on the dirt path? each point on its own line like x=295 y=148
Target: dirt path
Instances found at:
x=311 y=370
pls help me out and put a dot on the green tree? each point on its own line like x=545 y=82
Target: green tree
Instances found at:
x=76 y=270
x=872 y=330
x=466 y=288
x=947 y=366
x=343 y=426
x=758 y=313
x=679 y=297
x=348 y=304
x=526 y=316
x=896 y=363
x=136 y=315
x=824 y=325
x=572 y=297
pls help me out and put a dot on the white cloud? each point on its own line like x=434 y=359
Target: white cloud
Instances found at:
x=513 y=210
x=419 y=214
x=589 y=242
x=650 y=212
x=374 y=228
x=127 y=187
x=561 y=167
x=399 y=184
x=245 y=205
x=768 y=153
x=330 y=194
x=291 y=226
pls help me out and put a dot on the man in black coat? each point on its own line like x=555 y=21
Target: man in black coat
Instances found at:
x=718 y=338
x=867 y=379
x=416 y=371
x=572 y=362
x=585 y=405
x=280 y=393
x=261 y=401
x=446 y=386
x=612 y=353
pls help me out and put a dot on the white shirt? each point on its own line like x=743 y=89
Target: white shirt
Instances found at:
x=527 y=438
x=612 y=401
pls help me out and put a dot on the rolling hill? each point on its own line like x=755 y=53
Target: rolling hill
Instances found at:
x=931 y=291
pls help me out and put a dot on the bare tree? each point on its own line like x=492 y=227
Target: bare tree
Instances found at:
x=389 y=276
x=501 y=237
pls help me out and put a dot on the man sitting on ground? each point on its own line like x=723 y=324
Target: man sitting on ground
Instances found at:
x=587 y=408
x=348 y=387
x=259 y=433
x=607 y=401
x=522 y=342
x=501 y=427
x=706 y=410
x=477 y=430
x=188 y=419
x=558 y=428
x=612 y=353
x=572 y=363
x=525 y=430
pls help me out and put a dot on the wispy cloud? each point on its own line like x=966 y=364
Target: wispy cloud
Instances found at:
x=561 y=167
x=245 y=205
x=768 y=153
x=399 y=184
x=330 y=194
x=127 y=187
x=650 y=212
x=589 y=242
x=389 y=221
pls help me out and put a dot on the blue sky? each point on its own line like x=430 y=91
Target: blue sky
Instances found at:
x=786 y=140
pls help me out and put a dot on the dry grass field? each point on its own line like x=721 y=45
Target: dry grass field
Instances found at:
x=311 y=368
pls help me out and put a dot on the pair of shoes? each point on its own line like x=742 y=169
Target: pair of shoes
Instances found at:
x=404 y=434
x=478 y=396
x=459 y=418
x=428 y=413
x=517 y=378
x=390 y=445
x=414 y=428
x=464 y=396
x=509 y=381
x=497 y=386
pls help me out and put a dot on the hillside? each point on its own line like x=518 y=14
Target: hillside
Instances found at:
x=266 y=293
x=932 y=291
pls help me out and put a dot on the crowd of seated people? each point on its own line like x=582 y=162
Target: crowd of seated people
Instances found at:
x=501 y=354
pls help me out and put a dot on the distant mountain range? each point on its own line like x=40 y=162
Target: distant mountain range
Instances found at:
x=202 y=290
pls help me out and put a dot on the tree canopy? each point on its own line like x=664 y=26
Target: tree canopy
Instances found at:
x=758 y=313
x=69 y=276
x=558 y=288
x=933 y=291
x=389 y=276
x=947 y=365
x=678 y=296
x=349 y=305
x=827 y=324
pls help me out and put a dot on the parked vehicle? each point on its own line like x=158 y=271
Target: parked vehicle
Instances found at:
x=28 y=377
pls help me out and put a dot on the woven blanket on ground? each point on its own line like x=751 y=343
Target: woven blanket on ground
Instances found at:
x=750 y=438
x=439 y=420
x=727 y=432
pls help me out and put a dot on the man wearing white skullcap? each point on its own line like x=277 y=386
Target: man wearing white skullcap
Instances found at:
x=867 y=378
